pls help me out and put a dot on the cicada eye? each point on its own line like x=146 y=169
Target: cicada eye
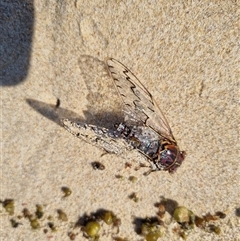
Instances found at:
x=168 y=156
x=172 y=150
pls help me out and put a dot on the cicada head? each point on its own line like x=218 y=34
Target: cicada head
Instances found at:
x=170 y=158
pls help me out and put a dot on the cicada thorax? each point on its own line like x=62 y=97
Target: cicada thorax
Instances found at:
x=168 y=157
x=162 y=153
x=140 y=137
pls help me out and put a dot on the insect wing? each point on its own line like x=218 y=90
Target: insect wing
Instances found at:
x=139 y=105
x=97 y=136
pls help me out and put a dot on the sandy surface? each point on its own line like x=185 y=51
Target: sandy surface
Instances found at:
x=186 y=54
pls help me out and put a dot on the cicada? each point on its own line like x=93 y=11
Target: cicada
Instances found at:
x=144 y=128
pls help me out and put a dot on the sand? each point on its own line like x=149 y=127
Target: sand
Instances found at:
x=185 y=53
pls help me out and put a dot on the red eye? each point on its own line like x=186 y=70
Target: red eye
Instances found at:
x=168 y=157
x=172 y=150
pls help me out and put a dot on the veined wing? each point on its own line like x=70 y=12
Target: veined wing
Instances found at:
x=98 y=136
x=139 y=105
